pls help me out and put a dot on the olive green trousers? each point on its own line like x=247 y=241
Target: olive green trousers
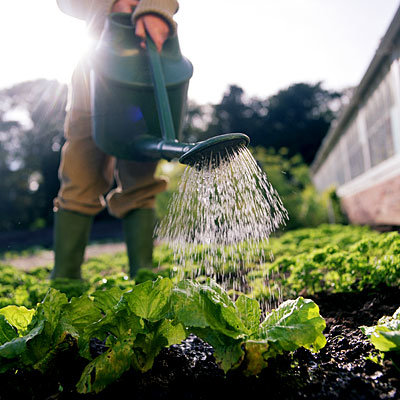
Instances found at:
x=87 y=174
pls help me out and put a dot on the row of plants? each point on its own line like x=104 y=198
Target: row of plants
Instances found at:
x=137 y=324
x=333 y=258
x=136 y=319
x=330 y=258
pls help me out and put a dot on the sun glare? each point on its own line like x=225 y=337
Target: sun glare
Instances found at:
x=44 y=44
x=66 y=46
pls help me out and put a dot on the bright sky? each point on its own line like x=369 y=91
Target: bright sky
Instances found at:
x=260 y=45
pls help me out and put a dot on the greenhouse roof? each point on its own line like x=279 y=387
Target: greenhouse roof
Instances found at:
x=382 y=54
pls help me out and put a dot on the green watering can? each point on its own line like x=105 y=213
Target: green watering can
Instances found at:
x=128 y=83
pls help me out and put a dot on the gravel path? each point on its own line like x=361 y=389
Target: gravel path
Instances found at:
x=46 y=257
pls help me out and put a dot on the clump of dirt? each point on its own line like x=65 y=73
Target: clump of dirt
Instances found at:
x=341 y=370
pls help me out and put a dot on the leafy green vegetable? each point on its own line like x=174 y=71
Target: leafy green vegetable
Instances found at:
x=7 y=332
x=106 y=368
x=157 y=336
x=150 y=300
x=137 y=324
x=249 y=312
x=294 y=324
x=40 y=333
x=332 y=258
x=385 y=336
x=106 y=300
x=19 y=317
x=234 y=329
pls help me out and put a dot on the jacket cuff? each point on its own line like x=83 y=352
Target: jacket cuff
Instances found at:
x=163 y=8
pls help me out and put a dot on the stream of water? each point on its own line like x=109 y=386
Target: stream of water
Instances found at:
x=219 y=217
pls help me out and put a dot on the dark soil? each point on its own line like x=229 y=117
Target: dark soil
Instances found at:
x=188 y=371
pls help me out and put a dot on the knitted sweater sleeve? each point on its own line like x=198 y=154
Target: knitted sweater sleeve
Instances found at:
x=163 y=8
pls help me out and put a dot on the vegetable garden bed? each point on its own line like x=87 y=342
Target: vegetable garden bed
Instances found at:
x=348 y=367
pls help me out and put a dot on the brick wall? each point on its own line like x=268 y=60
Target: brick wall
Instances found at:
x=378 y=205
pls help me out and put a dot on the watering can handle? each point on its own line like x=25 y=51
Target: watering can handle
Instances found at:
x=160 y=91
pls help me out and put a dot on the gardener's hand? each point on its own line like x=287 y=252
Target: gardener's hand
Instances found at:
x=155 y=26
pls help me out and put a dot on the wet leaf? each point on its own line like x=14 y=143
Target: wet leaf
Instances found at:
x=249 y=312
x=150 y=300
x=7 y=332
x=385 y=336
x=106 y=368
x=294 y=324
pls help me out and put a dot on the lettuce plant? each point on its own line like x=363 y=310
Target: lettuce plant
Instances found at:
x=385 y=336
x=30 y=338
x=234 y=329
x=136 y=325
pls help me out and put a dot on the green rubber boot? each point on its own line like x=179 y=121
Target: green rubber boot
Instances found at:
x=71 y=235
x=138 y=226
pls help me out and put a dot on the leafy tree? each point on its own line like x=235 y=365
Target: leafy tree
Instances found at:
x=236 y=113
x=296 y=118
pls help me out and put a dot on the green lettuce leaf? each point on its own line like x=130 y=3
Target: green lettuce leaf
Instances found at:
x=81 y=312
x=188 y=304
x=107 y=367
x=16 y=353
x=228 y=352
x=200 y=306
x=256 y=356
x=7 y=332
x=106 y=300
x=294 y=324
x=221 y=313
x=120 y=325
x=385 y=336
x=19 y=317
x=151 y=299
x=38 y=339
x=47 y=330
x=136 y=330
x=249 y=313
x=50 y=308
x=148 y=345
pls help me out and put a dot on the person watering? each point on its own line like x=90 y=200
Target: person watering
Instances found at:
x=86 y=173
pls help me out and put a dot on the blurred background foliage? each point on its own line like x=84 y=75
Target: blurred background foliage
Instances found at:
x=285 y=129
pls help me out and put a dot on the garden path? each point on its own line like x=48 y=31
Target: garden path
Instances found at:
x=46 y=257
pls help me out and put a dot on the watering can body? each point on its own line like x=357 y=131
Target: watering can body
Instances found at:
x=125 y=120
